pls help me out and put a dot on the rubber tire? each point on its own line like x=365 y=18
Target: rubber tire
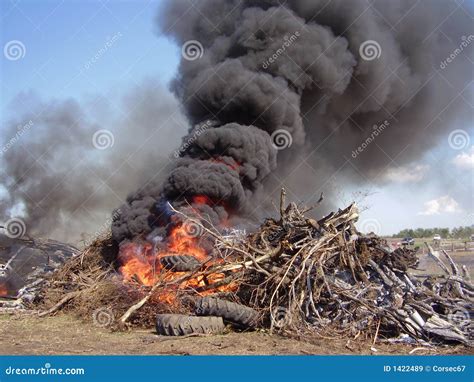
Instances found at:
x=180 y=263
x=181 y=325
x=236 y=314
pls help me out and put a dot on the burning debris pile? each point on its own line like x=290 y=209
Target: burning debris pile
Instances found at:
x=250 y=117
x=298 y=274
x=174 y=253
x=294 y=275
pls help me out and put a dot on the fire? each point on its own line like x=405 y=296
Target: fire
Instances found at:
x=141 y=263
x=3 y=290
x=182 y=242
x=136 y=263
x=202 y=199
x=232 y=164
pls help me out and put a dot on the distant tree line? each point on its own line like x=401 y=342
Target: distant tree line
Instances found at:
x=445 y=233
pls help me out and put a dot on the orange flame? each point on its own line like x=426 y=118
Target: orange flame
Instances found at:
x=234 y=165
x=136 y=263
x=3 y=290
x=182 y=242
x=141 y=263
x=202 y=199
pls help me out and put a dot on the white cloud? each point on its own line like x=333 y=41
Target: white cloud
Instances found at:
x=406 y=174
x=437 y=206
x=465 y=160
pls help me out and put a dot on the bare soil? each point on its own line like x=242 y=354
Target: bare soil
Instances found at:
x=428 y=266
x=64 y=334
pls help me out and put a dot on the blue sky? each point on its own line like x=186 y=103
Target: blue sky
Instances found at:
x=61 y=37
x=65 y=57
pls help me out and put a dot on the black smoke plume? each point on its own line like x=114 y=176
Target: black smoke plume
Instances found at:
x=309 y=76
x=60 y=184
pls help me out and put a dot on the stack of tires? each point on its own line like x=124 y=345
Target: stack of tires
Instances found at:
x=211 y=314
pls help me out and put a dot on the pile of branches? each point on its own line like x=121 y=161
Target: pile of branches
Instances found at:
x=302 y=274
x=89 y=286
x=86 y=285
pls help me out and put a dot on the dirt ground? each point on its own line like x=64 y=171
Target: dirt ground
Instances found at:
x=64 y=334
x=428 y=266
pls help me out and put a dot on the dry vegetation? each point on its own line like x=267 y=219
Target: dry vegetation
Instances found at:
x=307 y=279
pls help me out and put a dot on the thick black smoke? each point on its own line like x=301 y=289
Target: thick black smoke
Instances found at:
x=320 y=74
x=53 y=176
